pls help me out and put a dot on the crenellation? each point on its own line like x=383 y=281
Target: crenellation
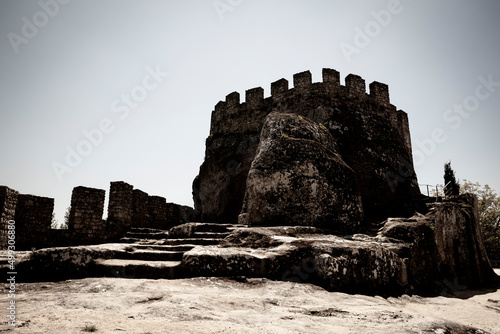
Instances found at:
x=279 y=87
x=139 y=208
x=379 y=92
x=33 y=220
x=233 y=100
x=355 y=88
x=355 y=85
x=302 y=80
x=157 y=211
x=331 y=77
x=254 y=97
x=220 y=106
x=128 y=207
x=119 y=208
x=87 y=207
x=175 y=215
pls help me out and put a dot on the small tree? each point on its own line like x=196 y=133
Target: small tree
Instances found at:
x=54 y=223
x=451 y=186
x=66 y=215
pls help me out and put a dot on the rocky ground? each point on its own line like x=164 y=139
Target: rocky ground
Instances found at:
x=217 y=305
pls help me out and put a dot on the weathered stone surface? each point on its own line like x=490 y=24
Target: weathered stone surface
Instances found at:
x=400 y=259
x=462 y=257
x=176 y=215
x=140 y=215
x=119 y=209
x=414 y=242
x=33 y=221
x=372 y=137
x=188 y=230
x=329 y=261
x=157 y=212
x=297 y=178
x=85 y=218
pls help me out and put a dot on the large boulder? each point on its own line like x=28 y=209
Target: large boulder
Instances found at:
x=297 y=178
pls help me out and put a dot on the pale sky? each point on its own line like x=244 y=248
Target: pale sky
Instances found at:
x=131 y=84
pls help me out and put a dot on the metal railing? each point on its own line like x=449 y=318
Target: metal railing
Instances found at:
x=432 y=190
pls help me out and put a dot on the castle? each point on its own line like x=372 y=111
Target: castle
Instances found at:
x=308 y=172
x=372 y=136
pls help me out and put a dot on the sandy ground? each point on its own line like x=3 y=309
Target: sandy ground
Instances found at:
x=215 y=305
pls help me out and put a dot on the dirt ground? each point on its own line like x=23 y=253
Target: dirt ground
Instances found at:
x=215 y=305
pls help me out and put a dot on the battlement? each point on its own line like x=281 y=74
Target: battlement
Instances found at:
x=355 y=87
x=127 y=207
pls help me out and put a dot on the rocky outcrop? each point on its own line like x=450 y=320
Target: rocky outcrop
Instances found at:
x=297 y=178
x=461 y=254
x=372 y=137
x=360 y=264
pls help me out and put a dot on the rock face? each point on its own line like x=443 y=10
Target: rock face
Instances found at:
x=297 y=178
x=461 y=253
x=437 y=253
x=372 y=137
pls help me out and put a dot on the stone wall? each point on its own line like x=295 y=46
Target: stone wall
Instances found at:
x=157 y=212
x=176 y=215
x=33 y=219
x=8 y=202
x=372 y=137
x=140 y=217
x=85 y=218
x=119 y=209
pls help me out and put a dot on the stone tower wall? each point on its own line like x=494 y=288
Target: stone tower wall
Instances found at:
x=373 y=137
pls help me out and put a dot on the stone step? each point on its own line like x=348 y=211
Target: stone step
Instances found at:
x=141 y=241
x=140 y=235
x=192 y=241
x=213 y=227
x=212 y=235
x=172 y=248
x=137 y=268
x=151 y=255
x=146 y=230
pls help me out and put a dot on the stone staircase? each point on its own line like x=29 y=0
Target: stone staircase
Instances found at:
x=153 y=253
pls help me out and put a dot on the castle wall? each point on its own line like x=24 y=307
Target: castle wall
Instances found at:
x=128 y=207
x=85 y=219
x=140 y=217
x=119 y=209
x=157 y=212
x=371 y=135
x=33 y=219
x=175 y=215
